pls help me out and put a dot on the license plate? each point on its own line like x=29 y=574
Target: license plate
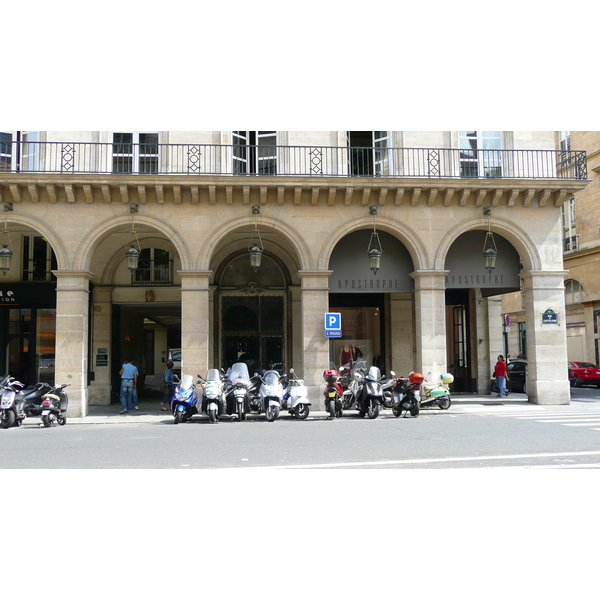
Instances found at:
x=331 y=394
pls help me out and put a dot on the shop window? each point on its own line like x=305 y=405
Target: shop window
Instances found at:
x=39 y=259
x=155 y=267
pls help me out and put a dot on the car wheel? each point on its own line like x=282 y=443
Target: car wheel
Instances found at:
x=524 y=387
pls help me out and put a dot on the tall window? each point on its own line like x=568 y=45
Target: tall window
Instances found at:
x=135 y=152
x=39 y=259
x=368 y=153
x=255 y=152
x=569 y=230
x=574 y=292
x=19 y=151
x=155 y=267
x=480 y=154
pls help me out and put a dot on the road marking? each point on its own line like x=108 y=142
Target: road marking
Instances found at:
x=417 y=461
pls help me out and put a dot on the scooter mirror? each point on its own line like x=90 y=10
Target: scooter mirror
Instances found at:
x=392 y=374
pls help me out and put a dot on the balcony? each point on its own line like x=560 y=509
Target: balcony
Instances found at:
x=197 y=160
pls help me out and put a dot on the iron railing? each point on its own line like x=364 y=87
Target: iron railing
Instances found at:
x=304 y=161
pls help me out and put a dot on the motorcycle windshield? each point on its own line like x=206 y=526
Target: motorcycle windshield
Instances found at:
x=213 y=375
x=374 y=373
x=271 y=378
x=239 y=371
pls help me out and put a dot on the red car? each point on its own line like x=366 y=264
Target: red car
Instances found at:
x=583 y=373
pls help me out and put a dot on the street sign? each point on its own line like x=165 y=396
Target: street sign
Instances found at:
x=333 y=321
x=549 y=317
x=333 y=333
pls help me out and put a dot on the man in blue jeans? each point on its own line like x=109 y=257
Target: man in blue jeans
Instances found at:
x=129 y=375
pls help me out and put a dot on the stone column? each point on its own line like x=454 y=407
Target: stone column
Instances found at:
x=195 y=321
x=72 y=335
x=547 y=374
x=100 y=388
x=430 y=322
x=315 y=303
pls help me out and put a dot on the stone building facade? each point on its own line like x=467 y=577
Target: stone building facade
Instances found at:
x=194 y=202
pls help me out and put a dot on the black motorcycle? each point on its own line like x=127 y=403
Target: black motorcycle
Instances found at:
x=406 y=395
x=55 y=404
x=370 y=396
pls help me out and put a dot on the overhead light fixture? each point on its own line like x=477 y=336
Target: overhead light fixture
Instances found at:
x=133 y=253
x=255 y=249
x=5 y=252
x=374 y=250
x=490 y=252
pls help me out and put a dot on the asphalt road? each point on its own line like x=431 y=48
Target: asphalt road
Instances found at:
x=468 y=435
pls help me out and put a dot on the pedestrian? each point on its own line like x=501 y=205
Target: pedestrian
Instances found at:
x=168 y=377
x=521 y=355
x=129 y=375
x=501 y=376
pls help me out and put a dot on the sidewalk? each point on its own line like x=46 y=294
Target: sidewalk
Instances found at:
x=150 y=412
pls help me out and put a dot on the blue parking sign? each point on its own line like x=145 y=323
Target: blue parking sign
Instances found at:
x=333 y=321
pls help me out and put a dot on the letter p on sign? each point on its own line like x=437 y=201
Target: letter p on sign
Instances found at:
x=333 y=321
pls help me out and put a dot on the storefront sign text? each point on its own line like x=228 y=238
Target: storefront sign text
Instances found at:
x=368 y=284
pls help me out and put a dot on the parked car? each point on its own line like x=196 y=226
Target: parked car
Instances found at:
x=583 y=373
x=174 y=355
x=517 y=374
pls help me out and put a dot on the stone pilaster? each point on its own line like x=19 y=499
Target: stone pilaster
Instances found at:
x=315 y=303
x=72 y=317
x=195 y=322
x=100 y=388
x=547 y=375
x=430 y=322
x=402 y=342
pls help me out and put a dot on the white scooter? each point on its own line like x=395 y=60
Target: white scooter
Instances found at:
x=270 y=395
x=437 y=393
x=295 y=397
x=213 y=397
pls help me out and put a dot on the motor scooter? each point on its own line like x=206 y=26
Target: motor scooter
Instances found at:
x=333 y=393
x=270 y=395
x=295 y=397
x=237 y=389
x=213 y=396
x=371 y=394
x=12 y=404
x=55 y=405
x=406 y=395
x=438 y=393
x=355 y=385
x=184 y=400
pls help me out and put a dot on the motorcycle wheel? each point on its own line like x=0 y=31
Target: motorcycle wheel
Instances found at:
x=445 y=402
x=8 y=419
x=373 y=411
x=302 y=411
x=271 y=413
x=396 y=410
x=46 y=420
x=414 y=409
x=212 y=416
x=240 y=412
x=176 y=417
x=62 y=420
x=331 y=409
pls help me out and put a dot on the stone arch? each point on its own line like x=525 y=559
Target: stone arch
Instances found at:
x=60 y=251
x=522 y=243
x=299 y=247
x=398 y=229
x=104 y=230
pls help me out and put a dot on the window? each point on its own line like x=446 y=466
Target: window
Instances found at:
x=155 y=267
x=39 y=259
x=574 y=292
x=19 y=151
x=569 y=231
x=255 y=152
x=135 y=152
x=368 y=153
x=480 y=154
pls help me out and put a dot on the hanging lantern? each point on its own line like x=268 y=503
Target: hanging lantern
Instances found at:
x=5 y=256
x=374 y=250
x=254 y=249
x=490 y=252
x=133 y=254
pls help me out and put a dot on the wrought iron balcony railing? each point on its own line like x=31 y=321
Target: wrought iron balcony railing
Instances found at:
x=303 y=161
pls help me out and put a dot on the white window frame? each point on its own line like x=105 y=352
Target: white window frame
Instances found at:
x=484 y=156
x=249 y=161
x=135 y=154
x=569 y=226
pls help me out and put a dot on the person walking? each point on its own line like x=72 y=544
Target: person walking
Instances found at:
x=134 y=394
x=168 y=377
x=501 y=376
x=129 y=375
